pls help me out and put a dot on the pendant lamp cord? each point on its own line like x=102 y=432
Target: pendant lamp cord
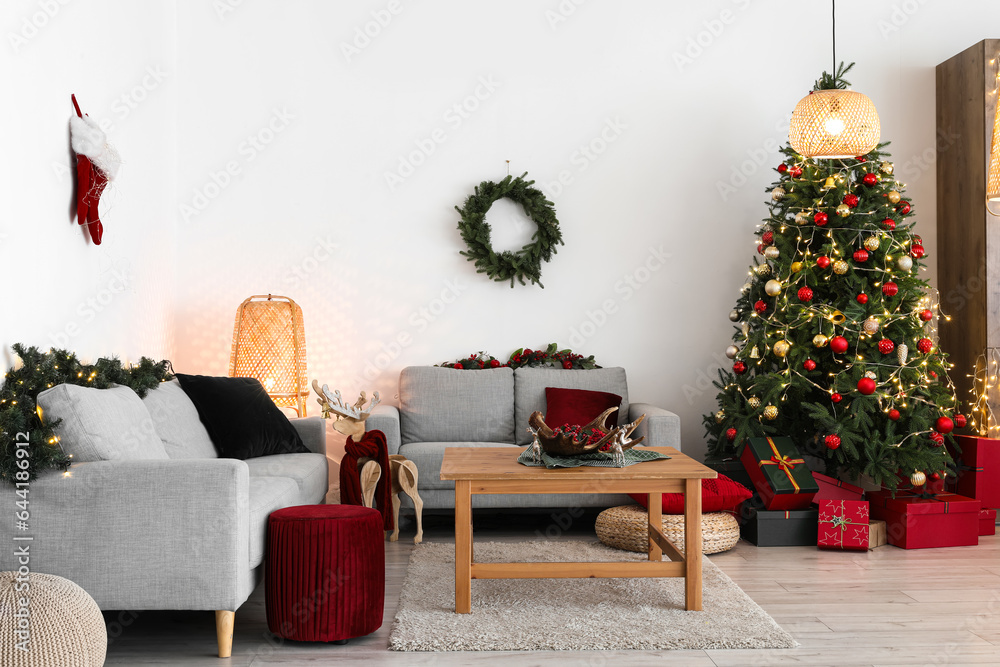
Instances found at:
x=833 y=22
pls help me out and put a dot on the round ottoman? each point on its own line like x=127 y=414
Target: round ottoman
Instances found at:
x=626 y=527
x=325 y=576
x=62 y=625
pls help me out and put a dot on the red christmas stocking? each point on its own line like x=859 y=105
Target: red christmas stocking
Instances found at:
x=97 y=162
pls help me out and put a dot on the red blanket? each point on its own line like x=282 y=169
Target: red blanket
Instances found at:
x=372 y=446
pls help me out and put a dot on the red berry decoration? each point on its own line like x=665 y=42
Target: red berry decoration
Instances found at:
x=809 y=365
x=456 y=365
x=890 y=289
x=944 y=425
x=838 y=344
x=821 y=218
x=495 y=363
x=567 y=365
x=822 y=261
x=866 y=386
x=925 y=345
x=782 y=168
x=889 y=224
x=960 y=421
x=836 y=398
x=894 y=414
x=851 y=200
x=832 y=441
x=933 y=375
x=926 y=315
x=862 y=298
x=903 y=207
x=870 y=179
x=760 y=307
x=805 y=294
x=527 y=352
x=916 y=251
x=730 y=434
x=739 y=368
x=861 y=255
x=768 y=237
x=937 y=438
x=885 y=346
x=795 y=172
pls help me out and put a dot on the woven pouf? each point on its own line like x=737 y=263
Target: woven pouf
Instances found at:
x=325 y=576
x=62 y=626
x=626 y=527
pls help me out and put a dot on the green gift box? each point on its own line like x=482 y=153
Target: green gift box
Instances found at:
x=779 y=473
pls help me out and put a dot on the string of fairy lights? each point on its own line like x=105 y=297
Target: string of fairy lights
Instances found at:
x=985 y=392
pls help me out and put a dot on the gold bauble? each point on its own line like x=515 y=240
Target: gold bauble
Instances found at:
x=781 y=348
x=838 y=317
x=772 y=288
x=819 y=340
x=720 y=416
x=770 y=412
x=732 y=351
x=894 y=196
x=918 y=478
x=734 y=316
x=843 y=210
x=801 y=218
x=872 y=243
x=886 y=168
x=778 y=193
x=796 y=267
x=771 y=252
x=905 y=263
x=840 y=267
x=764 y=269
x=871 y=375
x=753 y=402
x=870 y=326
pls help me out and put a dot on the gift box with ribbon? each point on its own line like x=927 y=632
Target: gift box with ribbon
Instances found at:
x=843 y=524
x=987 y=522
x=926 y=520
x=978 y=469
x=779 y=473
x=835 y=489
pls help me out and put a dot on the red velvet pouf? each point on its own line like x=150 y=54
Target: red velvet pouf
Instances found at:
x=325 y=572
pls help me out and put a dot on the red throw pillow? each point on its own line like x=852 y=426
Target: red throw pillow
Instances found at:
x=717 y=495
x=579 y=406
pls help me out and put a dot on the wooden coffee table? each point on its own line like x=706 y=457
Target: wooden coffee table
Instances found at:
x=495 y=470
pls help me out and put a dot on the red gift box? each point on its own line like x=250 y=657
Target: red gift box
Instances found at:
x=920 y=521
x=987 y=522
x=834 y=489
x=843 y=524
x=979 y=469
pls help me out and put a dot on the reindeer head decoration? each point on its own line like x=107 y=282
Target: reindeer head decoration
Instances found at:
x=351 y=418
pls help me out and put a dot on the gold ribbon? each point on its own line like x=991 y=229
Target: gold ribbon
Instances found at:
x=786 y=464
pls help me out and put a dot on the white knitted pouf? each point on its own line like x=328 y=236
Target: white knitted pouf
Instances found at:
x=65 y=625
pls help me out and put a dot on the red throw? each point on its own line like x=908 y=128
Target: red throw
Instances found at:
x=372 y=446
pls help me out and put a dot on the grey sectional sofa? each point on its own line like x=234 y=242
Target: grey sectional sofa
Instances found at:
x=446 y=407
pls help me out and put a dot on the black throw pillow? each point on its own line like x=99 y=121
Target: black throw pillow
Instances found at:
x=240 y=417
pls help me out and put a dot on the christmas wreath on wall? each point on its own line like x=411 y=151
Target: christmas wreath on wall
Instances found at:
x=550 y=356
x=526 y=263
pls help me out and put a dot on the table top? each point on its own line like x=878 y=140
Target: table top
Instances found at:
x=493 y=463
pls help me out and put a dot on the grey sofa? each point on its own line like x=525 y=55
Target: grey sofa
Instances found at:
x=183 y=532
x=446 y=407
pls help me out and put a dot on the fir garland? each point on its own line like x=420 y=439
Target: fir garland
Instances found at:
x=526 y=263
x=550 y=356
x=40 y=371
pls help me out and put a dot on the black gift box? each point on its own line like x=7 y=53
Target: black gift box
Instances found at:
x=781 y=528
x=733 y=469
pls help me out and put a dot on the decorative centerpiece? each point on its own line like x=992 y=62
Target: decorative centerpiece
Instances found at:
x=576 y=441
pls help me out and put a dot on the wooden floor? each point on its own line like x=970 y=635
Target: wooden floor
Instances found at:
x=884 y=607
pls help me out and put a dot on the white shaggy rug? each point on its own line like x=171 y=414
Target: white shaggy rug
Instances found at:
x=571 y=614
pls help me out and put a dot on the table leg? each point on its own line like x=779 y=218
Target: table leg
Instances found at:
x=692 y=544
x=463 y=547
x=655 y=522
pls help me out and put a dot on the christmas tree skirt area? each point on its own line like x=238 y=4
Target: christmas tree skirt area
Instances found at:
x=571 y=614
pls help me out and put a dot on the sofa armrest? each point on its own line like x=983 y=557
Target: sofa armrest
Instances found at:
x=312 y=430
x=385 y=418
x=662 y=428
x=142 y=534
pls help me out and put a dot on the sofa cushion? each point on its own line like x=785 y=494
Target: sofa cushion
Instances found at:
x=429 y=455
x=176 y=421
x=579 y=407
x=266 y=495
x=308 y=471
x=101 y=424
x=451 y=405
x=530 y=384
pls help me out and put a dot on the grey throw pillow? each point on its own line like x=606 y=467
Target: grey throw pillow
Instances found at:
x=176 y=420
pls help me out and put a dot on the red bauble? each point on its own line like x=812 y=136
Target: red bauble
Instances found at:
x=795 y=172
x=866 y=386
x=838 y=344
x=495 y=363
x=885 y=346
x=809 y=365
x=760 y=248
x=861 y=255
x=925 y=345
x=822 y=261
x=890 y=289
x=739 y=368
x=933 y=375
x=456 y=365
x=760 y=307
x=870 y=179
x=836 y=398
x=926 y=315
x=944 y=425
x=567 y=365
x=851 y=200
x=821 y=218
x=889 y=224
x=805 y=294
x=730 y=434
x=862 y=298
x=916 y=251
x=903 y=207
x=960 y=421
x=935 y=476
x=832 y=441
x=527 y=352
x=782 y=168
x=768 y=237
x=894 y=414
x=937 y=438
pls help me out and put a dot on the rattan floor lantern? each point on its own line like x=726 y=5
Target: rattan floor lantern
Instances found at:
x=269 y=343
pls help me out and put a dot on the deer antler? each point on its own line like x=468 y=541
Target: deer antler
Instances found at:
x=335 y=403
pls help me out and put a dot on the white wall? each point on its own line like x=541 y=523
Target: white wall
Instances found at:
x=679 y=131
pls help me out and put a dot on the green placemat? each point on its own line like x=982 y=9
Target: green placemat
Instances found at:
x=596 y=459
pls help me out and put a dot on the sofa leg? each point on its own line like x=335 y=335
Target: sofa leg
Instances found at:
x=224 y=632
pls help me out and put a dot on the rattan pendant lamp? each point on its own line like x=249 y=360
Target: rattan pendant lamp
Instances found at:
x=993 y=176
x=832 y=122
x=269 y=344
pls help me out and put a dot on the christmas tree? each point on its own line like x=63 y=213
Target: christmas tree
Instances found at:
x=832 y=344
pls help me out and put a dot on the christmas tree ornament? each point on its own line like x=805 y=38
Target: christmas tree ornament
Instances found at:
x=720 y=416
x=778 y=194
x=872 y=243
x=886 y=346
x=782 y=168
x=772 y=288
x=773 y=253
x=801 y=218
x=960 y=421
x=832 y=441
x=837 y=317
x=764 y=270
x=944 y=425
x=904 y=207
x=871 y=375
x=760 y=248
x=809 y=365
x=732 y=351
x=734 y=316
x=926 y=315
x=805 y=294
x=97 y=163
x=838 y=344
x=770 y=412
x=862 y=298
x=861 y=256
x=822 y=261
x=893 y=196
x=889 y=224
x=730 y=434
x=754 y=353
x=739 y=368
x=753 y=402
x=760 y=307
x=918 y=478
x=886 y=168
x=894 y=415
x=851 y=200
x=937 y=439
x=829 y=184
x=746 y=288
x=745 y=328
x=819 y=340
x=781 y=348
x=890 y=289
x=820 y=218
x=902 y=353
x=935 y=476
x=836 y=398
x=904 y=263
x=924 y=345
x=869 y=179
x=767 y=237
x=866 y=386
x=843 y=210
x=932 y=374
x=870 y=326
x=840 y=267
x=916 y=251
x=796 y=267
x=795 y=171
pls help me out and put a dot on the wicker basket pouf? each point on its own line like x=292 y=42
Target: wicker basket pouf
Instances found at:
x=626 y=527
x=64 y=625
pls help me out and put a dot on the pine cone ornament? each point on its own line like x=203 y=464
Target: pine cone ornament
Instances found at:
x=902 y=353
